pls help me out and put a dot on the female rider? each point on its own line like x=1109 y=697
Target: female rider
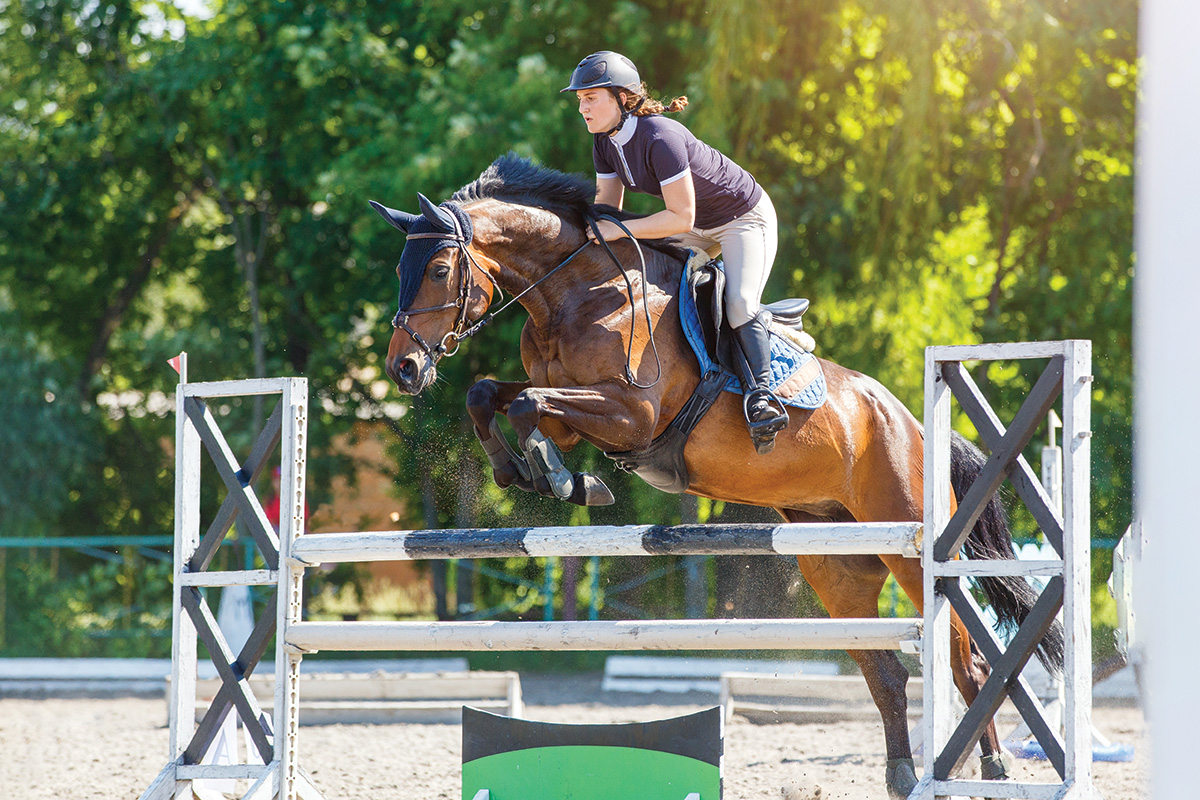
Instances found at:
x=712 y=204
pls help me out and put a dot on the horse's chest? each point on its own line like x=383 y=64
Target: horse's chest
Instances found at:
x=572 y=364
x=591 y=341
x=582 y=353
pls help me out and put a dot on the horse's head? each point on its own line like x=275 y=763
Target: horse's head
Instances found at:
x=438 y=293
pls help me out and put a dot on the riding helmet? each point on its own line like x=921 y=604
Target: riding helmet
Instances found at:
x=605 y=69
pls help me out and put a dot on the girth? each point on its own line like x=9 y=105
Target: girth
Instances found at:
x=661 y=464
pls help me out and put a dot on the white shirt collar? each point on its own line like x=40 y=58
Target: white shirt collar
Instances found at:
x=625 y=132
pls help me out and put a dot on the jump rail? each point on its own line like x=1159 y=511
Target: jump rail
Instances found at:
x=691 y=634
x=870 y=538
x=289 y=553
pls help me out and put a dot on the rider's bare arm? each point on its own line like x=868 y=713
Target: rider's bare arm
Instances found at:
x=610 y=192
x=678 y=217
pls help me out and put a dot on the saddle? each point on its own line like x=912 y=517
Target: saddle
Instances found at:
x=705 y=326
x=796 y=378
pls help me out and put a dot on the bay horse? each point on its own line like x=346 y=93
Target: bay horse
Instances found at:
x=608 y=364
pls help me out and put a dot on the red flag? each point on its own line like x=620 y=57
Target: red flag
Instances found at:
x=176 y=363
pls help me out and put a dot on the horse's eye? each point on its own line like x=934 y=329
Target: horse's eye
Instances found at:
x=441 y=273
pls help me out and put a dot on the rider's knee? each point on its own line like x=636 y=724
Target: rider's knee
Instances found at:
x=740 y=310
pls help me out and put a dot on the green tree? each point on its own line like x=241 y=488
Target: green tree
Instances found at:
x=946 y=172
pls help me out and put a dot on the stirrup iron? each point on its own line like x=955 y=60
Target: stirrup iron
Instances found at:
x=763 y=432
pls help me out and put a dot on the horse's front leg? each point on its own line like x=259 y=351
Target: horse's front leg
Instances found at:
x=604 y=412
x=485 y=400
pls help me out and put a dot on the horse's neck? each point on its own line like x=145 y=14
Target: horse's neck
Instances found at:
x=569 y=297
x=528 y=243
x=520 y=267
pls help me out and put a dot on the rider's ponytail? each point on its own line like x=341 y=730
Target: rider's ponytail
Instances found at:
x=642 y=104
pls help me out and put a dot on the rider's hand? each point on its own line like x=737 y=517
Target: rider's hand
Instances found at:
x=608 y=230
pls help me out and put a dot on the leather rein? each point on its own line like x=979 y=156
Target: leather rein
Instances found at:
x=464 y=329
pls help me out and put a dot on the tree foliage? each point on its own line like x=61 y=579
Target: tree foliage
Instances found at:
x=949 y=172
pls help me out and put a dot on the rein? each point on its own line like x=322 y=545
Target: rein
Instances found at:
x=483 y=321
x=463 y=331
x=629 y=288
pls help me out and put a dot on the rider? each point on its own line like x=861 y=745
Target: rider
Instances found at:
x=712 y=204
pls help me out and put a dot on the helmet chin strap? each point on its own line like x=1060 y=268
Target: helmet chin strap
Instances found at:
x=624 y=115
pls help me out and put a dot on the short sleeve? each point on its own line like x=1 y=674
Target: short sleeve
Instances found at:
x=669 y=156
x=604 y=168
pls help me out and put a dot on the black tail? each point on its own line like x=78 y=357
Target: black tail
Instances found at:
x=1010 y=597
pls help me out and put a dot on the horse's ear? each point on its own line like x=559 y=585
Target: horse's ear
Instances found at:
x=397 y=219
x=440 y=217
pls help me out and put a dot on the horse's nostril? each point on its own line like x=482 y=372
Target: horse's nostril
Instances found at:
x=401 y=372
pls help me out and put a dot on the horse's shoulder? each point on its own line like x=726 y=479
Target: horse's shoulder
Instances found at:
x=532 y=346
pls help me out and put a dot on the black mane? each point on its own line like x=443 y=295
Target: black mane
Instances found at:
x=519 y=180
x=514 y=179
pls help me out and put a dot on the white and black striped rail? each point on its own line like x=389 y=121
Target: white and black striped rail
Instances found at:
x=870 y=538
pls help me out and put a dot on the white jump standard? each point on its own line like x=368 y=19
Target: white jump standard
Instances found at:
x=287 y=556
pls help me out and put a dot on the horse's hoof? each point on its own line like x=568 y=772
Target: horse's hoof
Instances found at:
x=590 y=491
x=901 y=778
x=508 y=476
x=993 y=768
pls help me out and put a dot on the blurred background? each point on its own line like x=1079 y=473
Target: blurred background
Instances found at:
x=195 y=175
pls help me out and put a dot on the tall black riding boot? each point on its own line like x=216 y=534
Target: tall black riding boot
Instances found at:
x=765 y=415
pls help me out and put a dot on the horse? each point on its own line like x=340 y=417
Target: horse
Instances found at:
x=608 y=363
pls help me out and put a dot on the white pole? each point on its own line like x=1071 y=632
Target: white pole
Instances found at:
x=293 y=463
x=937 y=723
x=1167 y=437
x=1077 y=560
x=684 y=634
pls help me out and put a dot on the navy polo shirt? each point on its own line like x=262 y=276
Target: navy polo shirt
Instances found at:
x=648 y=153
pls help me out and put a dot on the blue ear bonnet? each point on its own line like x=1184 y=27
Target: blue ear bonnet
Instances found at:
x=418 y=252
x=449 y=220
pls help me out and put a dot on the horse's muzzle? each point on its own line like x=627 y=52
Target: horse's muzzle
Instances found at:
x=409 y=376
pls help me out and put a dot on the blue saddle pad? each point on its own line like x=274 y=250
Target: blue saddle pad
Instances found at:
x=796 y=375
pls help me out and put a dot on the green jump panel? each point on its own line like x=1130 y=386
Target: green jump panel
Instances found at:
x=518 y=759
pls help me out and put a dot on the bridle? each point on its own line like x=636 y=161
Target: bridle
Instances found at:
x=463 y=329
x=450 y=343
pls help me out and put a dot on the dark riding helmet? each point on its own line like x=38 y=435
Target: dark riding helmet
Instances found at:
x=605 y=69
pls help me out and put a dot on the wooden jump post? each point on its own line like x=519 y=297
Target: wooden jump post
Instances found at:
x=1068 y=589
x=287 y=556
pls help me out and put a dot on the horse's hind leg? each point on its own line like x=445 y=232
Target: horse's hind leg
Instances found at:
x=888 y=486
x=849 y=587
x=970 y=668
